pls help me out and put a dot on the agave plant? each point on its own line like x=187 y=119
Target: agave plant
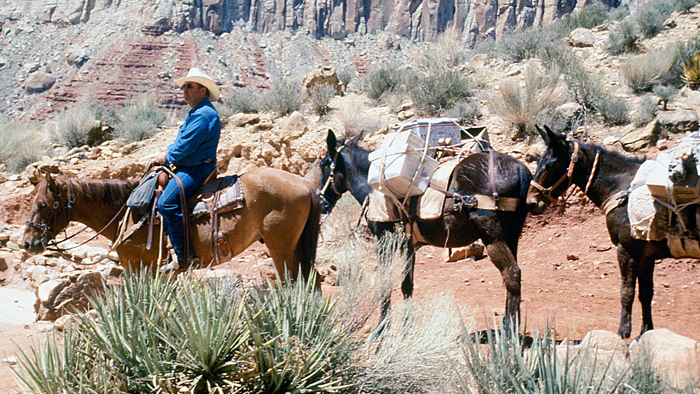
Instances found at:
x=691 y=71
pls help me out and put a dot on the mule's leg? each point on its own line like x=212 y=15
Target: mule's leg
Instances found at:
x=503 y=259
x=407 y=283
x=646 y=291
x=628 y=277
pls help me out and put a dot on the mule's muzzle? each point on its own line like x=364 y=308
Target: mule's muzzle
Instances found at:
x=536 y=201
x=33 y=245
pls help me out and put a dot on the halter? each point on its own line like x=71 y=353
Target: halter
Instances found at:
x=331 y=178
x=547 y=192
x=44 y=227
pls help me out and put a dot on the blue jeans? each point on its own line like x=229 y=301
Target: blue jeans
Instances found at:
x=192 y=179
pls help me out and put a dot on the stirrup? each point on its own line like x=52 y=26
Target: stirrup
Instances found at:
x=169 y=266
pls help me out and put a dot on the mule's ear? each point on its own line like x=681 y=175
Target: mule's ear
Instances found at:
x=543 y=134
x=50 y=182
x=331 y=141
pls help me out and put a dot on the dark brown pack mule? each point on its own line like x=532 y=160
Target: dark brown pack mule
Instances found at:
x=346 y=166
x=605 y=177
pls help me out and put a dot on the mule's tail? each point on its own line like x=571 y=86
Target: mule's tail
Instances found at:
x=308 y=242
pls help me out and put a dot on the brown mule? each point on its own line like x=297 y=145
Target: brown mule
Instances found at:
x=281 y=210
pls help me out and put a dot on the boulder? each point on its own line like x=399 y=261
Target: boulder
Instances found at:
x=674 y=356
x=39 y=82
x=582 y=38
x=325 y=74
x=55 y=298
x=634 y=139
x=678 y=121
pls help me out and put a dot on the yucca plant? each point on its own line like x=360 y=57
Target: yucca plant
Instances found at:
x=691 y=71
x=153 y=334
x=298 y=347
x=505 y=364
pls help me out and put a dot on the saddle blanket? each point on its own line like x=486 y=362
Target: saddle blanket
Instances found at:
x=224 y=194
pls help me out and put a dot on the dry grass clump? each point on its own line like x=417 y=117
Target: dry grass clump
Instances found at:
x=20 y=145
x=355 y=118
x=643 y=72
x=524 y=102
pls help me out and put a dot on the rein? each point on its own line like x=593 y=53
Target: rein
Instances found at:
x=53 y=245
x=547 y=192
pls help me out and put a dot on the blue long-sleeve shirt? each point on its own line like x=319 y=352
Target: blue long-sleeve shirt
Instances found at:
x=197 y=138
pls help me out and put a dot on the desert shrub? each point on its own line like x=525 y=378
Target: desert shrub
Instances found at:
x=614 y=110
x=524 y=103
x=651 y=16
x=447 y=53
x=436 y=92
x=20 y=145
x=523 y=44
x=246 y=101
x=586 y=88
x=691 y=71
x=346 y=74
x=139 y=119
x=648 y=70
x=466 y=111
x=623 y=38
x=297 y=344
x=646 y=111
x=685 y=5
x=382 y=79
x=587 y=17
x=209 y=337
x=319 y=97
x=284 y=97
x=666 y=93
x=72 y=128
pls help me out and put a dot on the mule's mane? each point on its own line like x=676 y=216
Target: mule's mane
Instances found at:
x=107 y=192
x=613 y=154
x=356 y=153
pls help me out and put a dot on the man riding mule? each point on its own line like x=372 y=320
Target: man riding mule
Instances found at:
x=193 y=154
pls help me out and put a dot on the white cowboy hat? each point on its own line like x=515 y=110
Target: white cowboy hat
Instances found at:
x=195 y=75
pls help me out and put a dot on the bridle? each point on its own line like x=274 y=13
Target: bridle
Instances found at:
x=331 y=178
x=547 y=192
x=65 y=212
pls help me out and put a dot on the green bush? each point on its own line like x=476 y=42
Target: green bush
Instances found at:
x=587 y=17
x=651 y=16
x=284 y=97
x=507 y=365
x=437 y=92
x=297 y=344
x=646 y=71
x=615 y=111
x=623 y=38
x=246 y=101
x=646 y=111
x=320 y=95
x=346 y=74
x=72 y=128
x=523 y=44
x=466 y=111
x=20 y=146
x=666 y=93
x=139 y=119
x=383 y=79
